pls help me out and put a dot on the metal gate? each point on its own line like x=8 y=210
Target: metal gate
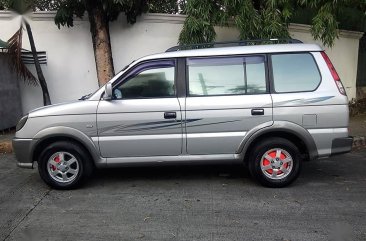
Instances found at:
x=10 y=102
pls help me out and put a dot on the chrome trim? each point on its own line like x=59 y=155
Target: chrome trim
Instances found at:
x=217 y=134
x=328 y=130
x=138 y=137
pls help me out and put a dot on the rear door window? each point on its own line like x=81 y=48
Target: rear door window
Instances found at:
x=295 y=73
x=226 y=76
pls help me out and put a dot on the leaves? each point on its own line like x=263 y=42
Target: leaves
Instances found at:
x=166 y=6
x=16 y=63
x=21 y=7
x=203 y=15
x=325 y=25
x=260 y=19
x=66 y=11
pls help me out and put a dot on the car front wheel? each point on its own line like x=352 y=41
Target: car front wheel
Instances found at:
x=64 y=165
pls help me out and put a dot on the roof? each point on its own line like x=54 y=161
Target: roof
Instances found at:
x=237 y=50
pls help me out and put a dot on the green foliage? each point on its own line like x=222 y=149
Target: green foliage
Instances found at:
x=20 y=6
x=325 y=25
x=167 y=6
x=37 y=5
x=4 y=4
x=67 y=9
x=199 y=25
x=262 y=19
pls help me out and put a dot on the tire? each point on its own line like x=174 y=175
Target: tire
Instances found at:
x=64 y=165
x=275 y=162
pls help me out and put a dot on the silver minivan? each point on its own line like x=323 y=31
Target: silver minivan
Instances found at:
x=270 y=107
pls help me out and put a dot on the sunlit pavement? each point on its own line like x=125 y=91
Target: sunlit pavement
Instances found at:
x=328 y=201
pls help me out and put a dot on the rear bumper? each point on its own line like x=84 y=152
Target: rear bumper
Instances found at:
x=22 y=149
x=341 y=145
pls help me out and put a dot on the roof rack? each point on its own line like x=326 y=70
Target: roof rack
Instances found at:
x=233 y=43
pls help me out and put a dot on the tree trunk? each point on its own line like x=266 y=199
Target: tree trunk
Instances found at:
x=41 y=79
x=99 y=28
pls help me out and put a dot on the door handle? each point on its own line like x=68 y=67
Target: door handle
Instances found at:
x=257 y=111
x=170 y=115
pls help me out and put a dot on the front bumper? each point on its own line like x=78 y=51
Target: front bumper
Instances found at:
x=23 y=152
x=341 y=145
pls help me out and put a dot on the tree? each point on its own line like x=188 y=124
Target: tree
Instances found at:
x=21 y=7
x=100 y=13
x=261 y=19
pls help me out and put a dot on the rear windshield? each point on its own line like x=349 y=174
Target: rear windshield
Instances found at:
x=295 y=73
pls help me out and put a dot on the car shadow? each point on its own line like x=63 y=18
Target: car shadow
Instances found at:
x=315 y=172
x=170 y=172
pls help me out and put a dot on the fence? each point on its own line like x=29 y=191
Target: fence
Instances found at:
x=70 y=70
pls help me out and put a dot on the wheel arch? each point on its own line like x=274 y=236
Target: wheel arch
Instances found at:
x=287 y=130
x=53 y=134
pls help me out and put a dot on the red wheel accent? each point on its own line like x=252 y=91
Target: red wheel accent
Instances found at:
x=275 y=163
x=57 y=159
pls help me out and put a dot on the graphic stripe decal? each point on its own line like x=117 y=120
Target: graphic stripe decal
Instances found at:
x=302 y=101
x=155 y=125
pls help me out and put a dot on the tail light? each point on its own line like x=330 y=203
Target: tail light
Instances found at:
x=334 y=73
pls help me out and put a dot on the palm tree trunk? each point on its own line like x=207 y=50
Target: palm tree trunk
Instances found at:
x=99 y=28
x=41 y=79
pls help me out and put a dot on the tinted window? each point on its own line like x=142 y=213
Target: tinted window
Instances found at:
x=226 y=76
x=149 y=83
x=295 y=72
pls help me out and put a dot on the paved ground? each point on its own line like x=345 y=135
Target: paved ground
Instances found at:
x=187 y=203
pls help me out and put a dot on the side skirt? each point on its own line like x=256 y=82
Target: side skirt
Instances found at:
x=174 y=160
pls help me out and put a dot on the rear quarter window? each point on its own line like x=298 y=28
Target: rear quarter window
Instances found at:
x=295 y=73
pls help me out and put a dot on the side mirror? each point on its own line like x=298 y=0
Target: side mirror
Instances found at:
x=108 y=92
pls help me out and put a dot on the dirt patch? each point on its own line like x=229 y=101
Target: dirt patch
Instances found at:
x=357 y=125
x=357 y=107
x=6 y=147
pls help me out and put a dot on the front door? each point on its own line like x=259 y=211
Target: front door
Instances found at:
x=144 y=117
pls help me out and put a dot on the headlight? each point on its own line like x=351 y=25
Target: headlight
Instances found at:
x=21 y=122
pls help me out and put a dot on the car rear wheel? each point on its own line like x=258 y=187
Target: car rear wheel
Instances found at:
x=275 y=162
x=64 y=165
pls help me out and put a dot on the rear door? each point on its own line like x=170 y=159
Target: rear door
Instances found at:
x=226 y=97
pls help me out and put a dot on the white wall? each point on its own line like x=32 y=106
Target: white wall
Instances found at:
x=70 y=70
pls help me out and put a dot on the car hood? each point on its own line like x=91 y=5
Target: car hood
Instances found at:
x=69 y=108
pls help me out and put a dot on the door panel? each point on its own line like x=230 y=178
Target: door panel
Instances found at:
x=138 y=127
x=227 y=96
x=217 y=125
x=144 y=118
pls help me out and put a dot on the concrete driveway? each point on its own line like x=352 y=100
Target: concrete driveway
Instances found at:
x=328 y=202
